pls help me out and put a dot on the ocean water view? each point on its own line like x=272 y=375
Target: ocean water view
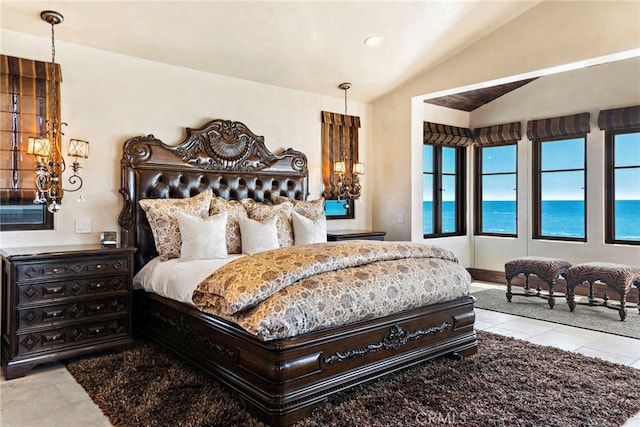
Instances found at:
x=561 y=218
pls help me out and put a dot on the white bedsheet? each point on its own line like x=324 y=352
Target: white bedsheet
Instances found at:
x=176 y=279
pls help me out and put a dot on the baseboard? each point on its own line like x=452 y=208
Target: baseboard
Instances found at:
x=599 y=288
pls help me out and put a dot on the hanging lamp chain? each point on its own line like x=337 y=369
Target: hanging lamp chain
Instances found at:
x=53 y=63
x=345 y=87
x=345 y=102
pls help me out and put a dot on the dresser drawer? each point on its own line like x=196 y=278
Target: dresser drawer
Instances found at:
x=58 y=291
x=72 y=335
x=54 y=270
x=60 y=314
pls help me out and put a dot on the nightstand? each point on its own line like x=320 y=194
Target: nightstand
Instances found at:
x=63 y=301
x=338 y=236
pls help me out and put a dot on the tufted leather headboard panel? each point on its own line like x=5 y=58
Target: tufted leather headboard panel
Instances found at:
x=222 y=155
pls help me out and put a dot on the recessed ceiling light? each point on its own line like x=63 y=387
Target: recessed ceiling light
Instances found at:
x=373 y=40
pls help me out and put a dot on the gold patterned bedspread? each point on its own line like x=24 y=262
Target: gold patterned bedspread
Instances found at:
x=294 y=290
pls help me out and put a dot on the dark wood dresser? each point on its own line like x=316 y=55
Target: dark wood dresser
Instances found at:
x=338 y=236
x=63 y=301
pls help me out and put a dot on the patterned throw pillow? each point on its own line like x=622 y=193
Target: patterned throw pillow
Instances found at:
x=235 y=211
x=307 y=208
x=161 y=214
x=261 y=212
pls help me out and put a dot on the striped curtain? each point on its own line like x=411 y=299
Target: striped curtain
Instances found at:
x=453 y=136
x=619 y=118
x=574 y=126
x=339 y=143
x=504 y=134
x=25 y=93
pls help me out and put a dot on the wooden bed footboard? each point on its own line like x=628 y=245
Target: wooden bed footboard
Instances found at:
x=282 y=381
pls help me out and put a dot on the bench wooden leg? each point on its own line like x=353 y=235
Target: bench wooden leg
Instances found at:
x=509 y=294
x=551 y=300
x=623 y=310
x=571 y=297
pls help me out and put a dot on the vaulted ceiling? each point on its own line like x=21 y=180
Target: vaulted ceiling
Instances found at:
x=310 y=46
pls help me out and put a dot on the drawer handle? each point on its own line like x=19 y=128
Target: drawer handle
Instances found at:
x=96 y=330
x=53 y=291
x=53 y=314
x=97 y=307
x=52 y=337
x=55 y=270
x=94 y=286
x=98 y=266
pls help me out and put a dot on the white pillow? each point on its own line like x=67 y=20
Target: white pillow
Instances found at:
x=309 y=230
x=203 y=238
x=258 y=236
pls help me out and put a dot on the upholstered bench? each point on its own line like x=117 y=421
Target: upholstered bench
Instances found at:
x=547 y=269
x=618 y=277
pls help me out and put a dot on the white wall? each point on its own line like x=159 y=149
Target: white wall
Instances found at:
x=108 y=98
x=550 y=34
x=592 y=89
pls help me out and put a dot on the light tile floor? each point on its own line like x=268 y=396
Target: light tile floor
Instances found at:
x=49 y=396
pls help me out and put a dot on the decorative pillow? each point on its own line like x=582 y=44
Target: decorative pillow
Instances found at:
x=258 y=236
x=235 y=211
x=260 y=212
x=307 y=230
x=202 y=238
x=308 y=208
x=161 y=214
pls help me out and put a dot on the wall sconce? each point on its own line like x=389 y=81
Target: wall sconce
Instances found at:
x=50 y=162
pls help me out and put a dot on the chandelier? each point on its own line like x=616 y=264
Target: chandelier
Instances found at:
x=348 y=184
x=347 y=172
x=50 y=164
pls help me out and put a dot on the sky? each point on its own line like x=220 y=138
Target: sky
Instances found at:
x=564 y=183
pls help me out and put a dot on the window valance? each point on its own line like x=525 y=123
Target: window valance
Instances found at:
x=504 y=134
x=619 y=118
x=436 y=133
x=574 y=126
x=28 y=68
x=340 y=119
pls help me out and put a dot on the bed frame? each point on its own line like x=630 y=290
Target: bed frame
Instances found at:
x=281 y=381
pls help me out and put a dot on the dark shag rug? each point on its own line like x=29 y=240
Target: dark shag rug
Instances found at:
x=508 y=383
x=587 y=317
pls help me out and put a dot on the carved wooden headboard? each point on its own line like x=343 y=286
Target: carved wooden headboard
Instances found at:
x=222 y=155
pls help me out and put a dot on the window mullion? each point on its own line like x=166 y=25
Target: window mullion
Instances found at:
x=437 y=190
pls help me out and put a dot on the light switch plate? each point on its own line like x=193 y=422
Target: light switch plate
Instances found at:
x=83 y=225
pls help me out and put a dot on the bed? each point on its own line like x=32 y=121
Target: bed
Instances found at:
x=281 y=380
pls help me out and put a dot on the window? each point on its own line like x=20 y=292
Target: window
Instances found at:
x=559 y=177
x=443 y=179
x=443 y=201
x=560 y=196
x=24 y=88
x=443 y=191
x=496 y=162
x=622 y=174
x=340 y=209
x=496 y=201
